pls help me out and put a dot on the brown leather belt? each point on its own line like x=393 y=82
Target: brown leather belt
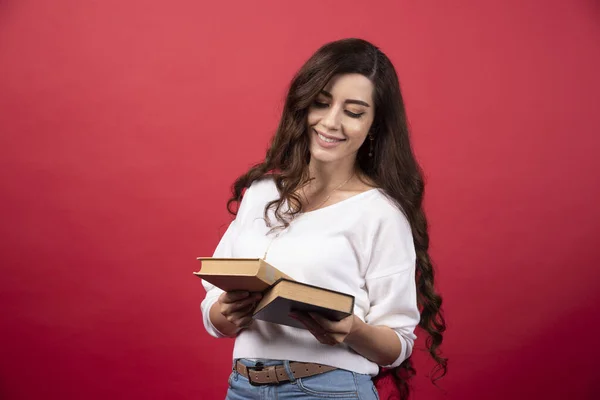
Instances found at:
x=276 y=374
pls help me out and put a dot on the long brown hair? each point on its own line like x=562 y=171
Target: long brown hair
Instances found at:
x=392 y=167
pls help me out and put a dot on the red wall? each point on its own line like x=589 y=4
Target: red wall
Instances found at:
x=124 y=122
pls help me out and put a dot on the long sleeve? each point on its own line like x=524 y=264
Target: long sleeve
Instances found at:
x=394 y=304
x=390 y=282
x=223 y=250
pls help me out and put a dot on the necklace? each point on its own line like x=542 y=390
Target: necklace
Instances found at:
x=330 y=193
x=316 y=208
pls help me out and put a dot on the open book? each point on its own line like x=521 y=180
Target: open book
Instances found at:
x=244 y=274
x=281 y=293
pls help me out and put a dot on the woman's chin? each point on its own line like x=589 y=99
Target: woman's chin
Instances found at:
x=323 y=157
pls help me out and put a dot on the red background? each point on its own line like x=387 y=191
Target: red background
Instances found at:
x=123 y=123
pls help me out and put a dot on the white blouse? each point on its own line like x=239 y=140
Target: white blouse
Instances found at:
x=362 y=246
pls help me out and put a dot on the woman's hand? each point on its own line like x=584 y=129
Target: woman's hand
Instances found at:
x=379 y=344
x=237 y=307
x=327 y=331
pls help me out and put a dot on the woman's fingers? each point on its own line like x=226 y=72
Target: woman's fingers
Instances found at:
x=245 y=322
x=238 y=305
x=240 y=319
x=313 y=327
x=322 y=321
x=240 y=313
x=338 y=330
x=235 y=301
x=310 y=323
x=232 y=297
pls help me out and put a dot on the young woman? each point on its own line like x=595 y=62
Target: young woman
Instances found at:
x=336 y=203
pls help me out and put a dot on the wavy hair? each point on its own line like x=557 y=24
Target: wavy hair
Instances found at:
x=392 y=167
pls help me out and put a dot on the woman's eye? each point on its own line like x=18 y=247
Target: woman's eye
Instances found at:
x=319 y=104
x=354 y=115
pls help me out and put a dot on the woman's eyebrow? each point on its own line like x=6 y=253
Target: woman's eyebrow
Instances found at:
x=349 y=101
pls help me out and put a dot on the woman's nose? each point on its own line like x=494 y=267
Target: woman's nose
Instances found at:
x=331 y=120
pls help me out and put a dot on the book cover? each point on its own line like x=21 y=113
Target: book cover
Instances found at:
x=286 y=296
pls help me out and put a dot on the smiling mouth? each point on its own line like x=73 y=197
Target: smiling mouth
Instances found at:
x=328 y=139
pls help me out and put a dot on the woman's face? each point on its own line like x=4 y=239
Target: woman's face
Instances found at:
x=340 y=118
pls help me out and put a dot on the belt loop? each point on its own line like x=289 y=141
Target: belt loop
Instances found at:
x=234 y=370
x=288 y=370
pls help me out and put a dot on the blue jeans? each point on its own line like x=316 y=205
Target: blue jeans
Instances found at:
x=337 y=384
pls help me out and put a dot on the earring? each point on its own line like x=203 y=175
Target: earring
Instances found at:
x=371 y=138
